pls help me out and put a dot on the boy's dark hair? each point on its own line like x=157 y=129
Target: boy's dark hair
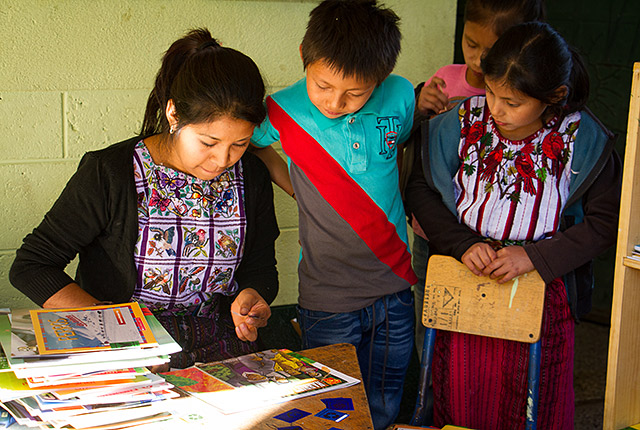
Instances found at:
x=355 y=37
x=205 y=81
x=499 y=15
x=534 y=59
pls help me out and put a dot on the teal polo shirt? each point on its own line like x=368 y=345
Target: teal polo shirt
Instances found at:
x=344 y=172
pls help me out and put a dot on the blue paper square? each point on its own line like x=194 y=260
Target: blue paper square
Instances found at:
x=330 y=414
x=292 y=415
x=339 y=403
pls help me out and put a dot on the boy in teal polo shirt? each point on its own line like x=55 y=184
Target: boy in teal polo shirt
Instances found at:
x=341 y=128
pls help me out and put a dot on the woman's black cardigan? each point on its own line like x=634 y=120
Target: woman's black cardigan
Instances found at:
x=96 y=216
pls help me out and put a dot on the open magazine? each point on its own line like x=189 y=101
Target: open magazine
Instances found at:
x=258 y=379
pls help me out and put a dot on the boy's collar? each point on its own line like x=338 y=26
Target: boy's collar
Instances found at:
x=372 y=106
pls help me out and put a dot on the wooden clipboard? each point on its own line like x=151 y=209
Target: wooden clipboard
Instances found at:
x=457 y=300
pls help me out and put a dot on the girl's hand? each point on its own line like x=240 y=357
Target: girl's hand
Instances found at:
x=478 y=257
x=511 y=261
x=432 y=98
x=249 y=311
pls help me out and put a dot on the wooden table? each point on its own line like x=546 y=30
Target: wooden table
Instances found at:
x=341 y=357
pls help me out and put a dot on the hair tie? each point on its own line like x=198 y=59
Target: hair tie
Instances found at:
x=211 y=42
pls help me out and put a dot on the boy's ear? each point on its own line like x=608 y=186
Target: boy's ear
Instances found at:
x=300 y=49
x=170 y=112
x=560 y=94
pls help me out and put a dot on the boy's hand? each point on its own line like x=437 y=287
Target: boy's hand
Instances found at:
x=478 y=257
x=249 y=311
x=432 y=98
x=510 y=262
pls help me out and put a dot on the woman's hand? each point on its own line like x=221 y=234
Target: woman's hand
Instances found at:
x=249 y=312
x=478 y=257
x=159 y=368
x=432 y=98
x=510 y=262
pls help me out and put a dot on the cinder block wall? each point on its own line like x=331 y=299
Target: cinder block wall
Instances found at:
x=75 y=74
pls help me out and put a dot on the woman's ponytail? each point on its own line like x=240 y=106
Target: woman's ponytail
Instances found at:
x=205 y=81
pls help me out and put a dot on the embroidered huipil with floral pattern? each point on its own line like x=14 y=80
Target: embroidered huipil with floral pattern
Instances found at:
x=507 y=190
x=190 y=236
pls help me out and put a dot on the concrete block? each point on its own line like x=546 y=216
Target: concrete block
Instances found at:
x=286 y=209
x=287 y=254
x=31 y=125
x=29 y=190
x=97 y=119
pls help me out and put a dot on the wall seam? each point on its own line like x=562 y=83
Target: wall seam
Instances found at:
x=37 y=161
x=65 y=134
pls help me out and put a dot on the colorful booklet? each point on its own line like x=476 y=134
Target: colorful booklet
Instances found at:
x=23 y=337
x=257 y=379
x=94 y=328
x=46 y=365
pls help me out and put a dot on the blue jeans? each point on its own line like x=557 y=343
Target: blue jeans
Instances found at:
x=383 y=336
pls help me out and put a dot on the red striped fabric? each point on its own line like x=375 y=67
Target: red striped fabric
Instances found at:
x=481 y=382
x=344 y=195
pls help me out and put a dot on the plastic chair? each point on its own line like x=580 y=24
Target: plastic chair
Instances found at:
x=457 y=300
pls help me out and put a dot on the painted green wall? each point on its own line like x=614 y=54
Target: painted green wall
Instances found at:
x=75 y=74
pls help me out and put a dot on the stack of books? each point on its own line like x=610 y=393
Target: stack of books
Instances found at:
x=635 y=254
x=85 y=367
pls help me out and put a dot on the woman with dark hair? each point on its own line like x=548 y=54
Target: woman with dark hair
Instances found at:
x=180 y=217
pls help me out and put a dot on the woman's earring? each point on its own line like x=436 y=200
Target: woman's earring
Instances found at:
x=172 y=129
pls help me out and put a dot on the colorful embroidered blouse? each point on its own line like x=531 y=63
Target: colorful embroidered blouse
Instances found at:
x=512 y=190
x=190 y=236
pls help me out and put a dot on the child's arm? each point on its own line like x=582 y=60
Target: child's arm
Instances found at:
x=445 y=233
x=569 y=249
x=432 y=99
x=277 y=168
x=581 y=243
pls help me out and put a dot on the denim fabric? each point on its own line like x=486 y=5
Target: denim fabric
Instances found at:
x=383 y=336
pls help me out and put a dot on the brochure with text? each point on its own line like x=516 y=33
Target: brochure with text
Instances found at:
x=91 y=329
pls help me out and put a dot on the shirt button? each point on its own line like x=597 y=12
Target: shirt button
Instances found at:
x=356 y=145
x=352 y=120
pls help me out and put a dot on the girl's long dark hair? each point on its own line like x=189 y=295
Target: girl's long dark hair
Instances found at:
x=205 y=81
x=534 y=59
x=499 y=15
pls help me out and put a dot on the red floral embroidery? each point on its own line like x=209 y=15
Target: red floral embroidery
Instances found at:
x=511 y=168
x=524 y=166
x=488 y=166
x=476 y=131
x=472 y=135
x=553 y=148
